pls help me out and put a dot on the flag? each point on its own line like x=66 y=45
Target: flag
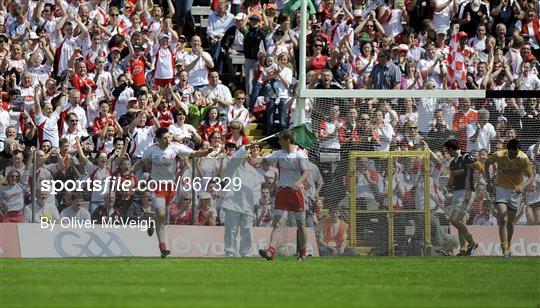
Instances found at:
x=303 y=136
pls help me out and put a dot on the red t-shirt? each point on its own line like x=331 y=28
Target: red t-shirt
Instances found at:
x=137 y=70
x=319 y=63
x=81 y=83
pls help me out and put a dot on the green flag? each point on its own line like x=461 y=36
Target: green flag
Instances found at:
x=303 y=136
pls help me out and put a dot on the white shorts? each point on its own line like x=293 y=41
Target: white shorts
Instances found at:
x=462 y=200
x=508 y=196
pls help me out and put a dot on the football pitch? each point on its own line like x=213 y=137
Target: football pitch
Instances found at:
x=319 y=282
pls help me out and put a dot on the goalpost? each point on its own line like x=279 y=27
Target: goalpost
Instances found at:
x=409 y=205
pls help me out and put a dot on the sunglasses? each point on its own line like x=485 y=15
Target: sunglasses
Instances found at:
x=318 y=45
x=241 y=98
x=113 y=15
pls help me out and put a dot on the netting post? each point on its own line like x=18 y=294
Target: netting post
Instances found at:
x=193 y=192
x=390 y=199
x=352 y=199
x=34 y=181
x=300 y=100
x=427 y=198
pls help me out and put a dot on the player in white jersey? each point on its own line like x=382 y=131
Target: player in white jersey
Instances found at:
x=293 y=169
x=162 y=157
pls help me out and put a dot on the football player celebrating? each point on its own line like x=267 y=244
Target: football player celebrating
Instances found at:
x=293 y=168
x=461 y=183
x=512 y=165
x=162 y=157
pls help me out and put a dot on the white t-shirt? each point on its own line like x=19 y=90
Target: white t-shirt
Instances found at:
x=48 y=128
x=198 y=76
x=385 y=135
x=164 y=161
x=81 y=215
x=164 y=65
x=142 y=137
x=280 y=86
x=441 y=19
x=426 y=109
x=290 y=166
x=179 y=133
x=484 y=137
x=96 y=174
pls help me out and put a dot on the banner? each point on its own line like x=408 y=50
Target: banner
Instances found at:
x=200 y=241
x=36 y=242
x=525 y=242
x=9 y=241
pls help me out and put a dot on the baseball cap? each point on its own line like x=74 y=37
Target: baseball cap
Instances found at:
x=240 y=16
x=138 y=47
x=255 y=18
x=164 y=35
x=365 y=37
x=132 y=99
x=205 y=195
x=357 y=13
x=403 y=47
x=442 y=31
x=115 y=48
x=182 y=37
x=462 y=34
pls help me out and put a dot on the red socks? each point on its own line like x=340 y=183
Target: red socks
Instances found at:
x=162 y=245
x=271 y=249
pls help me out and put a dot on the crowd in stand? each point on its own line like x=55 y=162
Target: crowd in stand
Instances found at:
x=84 y=86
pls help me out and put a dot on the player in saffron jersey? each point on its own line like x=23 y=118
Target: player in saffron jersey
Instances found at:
x=512 y=165
x=461 y=184
x=293 y=168
x=162 y=157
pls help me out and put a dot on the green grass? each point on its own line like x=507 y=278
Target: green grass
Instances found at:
x=332 y=282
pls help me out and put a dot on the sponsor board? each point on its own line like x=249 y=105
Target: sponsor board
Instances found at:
x=525 y=242
x=199 y=241
x=36 y=242
x=9 y=241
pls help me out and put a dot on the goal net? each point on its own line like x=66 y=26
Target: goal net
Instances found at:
x=385 y=171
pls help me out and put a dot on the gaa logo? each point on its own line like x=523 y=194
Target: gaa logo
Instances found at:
x=69 y=244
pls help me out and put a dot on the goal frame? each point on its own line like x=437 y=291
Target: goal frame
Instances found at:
x=390 y=213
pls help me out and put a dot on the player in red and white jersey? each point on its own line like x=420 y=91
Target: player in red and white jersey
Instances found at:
x=162 y=158
x=46 y=121
x=293 y=169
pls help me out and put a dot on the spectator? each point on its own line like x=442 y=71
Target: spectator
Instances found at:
x=219 y=22
x=333 y=238
x=283 y=79
x=181 y=212
x=12 y=194
x=218 y=95
x=206 y=216
x=75 y=210
x=237 y=136
x=210 y=124
x=238 y=111
x=232 y=44
x=480 y=134
x=385 y=75
x=43 y=210
x=254 y=35
x=465 y=115
x=182 y=131
x=384 y=132
x=485 y=218
x=198 y=64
